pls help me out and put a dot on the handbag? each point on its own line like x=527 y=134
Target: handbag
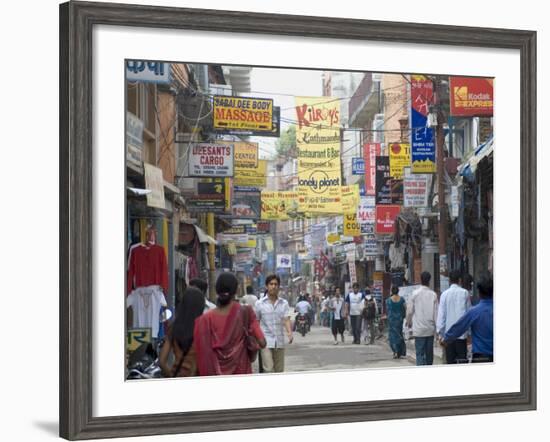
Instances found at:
x=252 y=346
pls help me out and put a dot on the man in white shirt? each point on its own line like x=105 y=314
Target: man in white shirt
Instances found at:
x=454 y=302
x=303 y=308
x=355 y=303
x=250 y=298
x=273 y=313
x=337 y=306
x=422 y=316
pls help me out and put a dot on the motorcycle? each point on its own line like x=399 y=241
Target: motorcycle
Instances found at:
x=301 y=324
x=143 y=363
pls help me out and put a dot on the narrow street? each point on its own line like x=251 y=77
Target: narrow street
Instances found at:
x=316 y=351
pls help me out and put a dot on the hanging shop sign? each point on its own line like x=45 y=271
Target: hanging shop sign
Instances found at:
x=155 y=183
x=134 y=139
x=243 y=113
x=318 y=154
x=422 y=137
x=350 y=198
x=246 y=204
x=351 y=225
x=148 y=71
x=268 y=242
x=333 y=238
x=415 y=190
x=370 y=152
x=210 y=160
x=370 y=245
x=210 y=198
x=318 y=239
x=279 y=206
x=366 y=212
x=284 y=261
x=383 y=180
x=263 y=227
x=357 y=166
x=251 y=176
x=385 y=219
x=352 y=269
x=400 y=157
x=455 y=202
x=274 y=132
x=228 y=238
x=471 y=97
x=246 y=155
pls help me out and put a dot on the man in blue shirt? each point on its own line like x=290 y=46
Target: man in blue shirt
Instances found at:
x=479 y=319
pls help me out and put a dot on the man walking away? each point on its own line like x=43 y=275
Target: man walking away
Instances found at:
x=354 y=303
x=454 y=302
x=273 y=312
x=202 y=285
x=422 y=315
x=479 y=319
x=369 y=316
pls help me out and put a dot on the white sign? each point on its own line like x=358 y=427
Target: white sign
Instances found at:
x=415 y=190
x=134 y=139
x=155 y=183
x=455 y=201
x=284 y=261
x=210 y=160
x=366 y=211
x=226 y=238
x=352 y=271
x=147 y=71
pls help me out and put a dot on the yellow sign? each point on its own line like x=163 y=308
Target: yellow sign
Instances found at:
x=318 y=153
x=400 y=157
x=350 y=198
x=137 y=336
x=246 y=155
x=243 y=113
x=251 y=176
x=279 y=206
x=268 y=244
x=333 y=237
x=425 y=166
x=352 y=227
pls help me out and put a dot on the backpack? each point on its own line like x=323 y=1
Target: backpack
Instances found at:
x=370 y=310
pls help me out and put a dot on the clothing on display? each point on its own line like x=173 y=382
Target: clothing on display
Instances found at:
x=147 y=266
x=146 y=303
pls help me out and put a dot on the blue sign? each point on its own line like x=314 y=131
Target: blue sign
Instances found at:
x=148 y=71
x=357 y=166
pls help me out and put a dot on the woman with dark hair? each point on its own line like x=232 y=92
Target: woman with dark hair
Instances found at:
x=180 y=337
x=396 y=310
x=221 y=333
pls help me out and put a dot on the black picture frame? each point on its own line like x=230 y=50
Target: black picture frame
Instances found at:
x=76 y=243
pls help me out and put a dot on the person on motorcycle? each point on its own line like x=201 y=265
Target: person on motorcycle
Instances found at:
x=303 y=308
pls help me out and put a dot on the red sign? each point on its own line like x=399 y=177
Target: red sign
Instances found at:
x=370 y=152
x=471 y=97
x=385 y=218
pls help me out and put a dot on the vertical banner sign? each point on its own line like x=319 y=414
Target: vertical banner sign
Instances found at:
x=385 y=219
x=415 y=190
x=370 y=152
x=383 y=180
x=246 y=204
x=422 y=137
x=318 y=153
x=400 y=157
x=397 y=192
x=471 y=97
x=351 y=265
x=154 y=182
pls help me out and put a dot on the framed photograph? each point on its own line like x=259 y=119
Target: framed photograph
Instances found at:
x=320 y=187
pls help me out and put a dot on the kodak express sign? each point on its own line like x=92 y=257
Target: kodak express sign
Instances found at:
x=243 y=113
x=471 y=97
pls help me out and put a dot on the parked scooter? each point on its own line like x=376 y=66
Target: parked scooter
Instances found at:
x=143 y=363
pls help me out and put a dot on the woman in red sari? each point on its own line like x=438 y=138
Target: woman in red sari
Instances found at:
x=219 y=336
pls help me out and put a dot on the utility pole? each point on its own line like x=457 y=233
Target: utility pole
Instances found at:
x=439 y=142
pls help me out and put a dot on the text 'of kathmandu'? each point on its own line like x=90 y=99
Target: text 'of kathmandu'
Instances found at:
x=293 y=220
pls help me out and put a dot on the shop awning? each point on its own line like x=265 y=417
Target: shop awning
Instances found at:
x=204 y=237
x=468 y=168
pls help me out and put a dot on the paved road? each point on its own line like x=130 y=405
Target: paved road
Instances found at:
x=316 y=351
